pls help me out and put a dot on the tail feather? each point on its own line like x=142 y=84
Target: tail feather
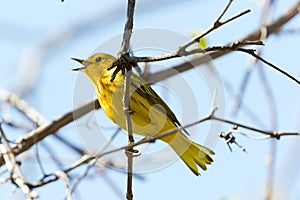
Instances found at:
x=190 y=152
x=197 y=154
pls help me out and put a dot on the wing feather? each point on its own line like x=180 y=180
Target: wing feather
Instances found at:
x=143 y=89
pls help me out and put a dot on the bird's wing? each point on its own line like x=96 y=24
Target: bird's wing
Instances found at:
x=144 y=89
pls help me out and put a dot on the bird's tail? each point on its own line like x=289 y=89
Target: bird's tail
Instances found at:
x=191 y=153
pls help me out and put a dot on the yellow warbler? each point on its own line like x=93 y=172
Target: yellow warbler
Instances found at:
x=150 y=115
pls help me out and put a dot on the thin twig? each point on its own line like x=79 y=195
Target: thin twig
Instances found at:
x=273 y=125
x=252 y=53
x=32 y=114
x=22 y=106
x=83 y=174
x=266 y=14
x=182 y=50
x=27 y=141
x=112 y=183
x=126 y=68
x=129 y=151
x=93 y=162
x=64 y=176
x=224 y=11
x=128 y=27
x=270 y=29
x=12 y=165
x=38 y=159
x=210 y=116
x=215 y=26
x=246 y=108
x=52 y=156
x=238 y=99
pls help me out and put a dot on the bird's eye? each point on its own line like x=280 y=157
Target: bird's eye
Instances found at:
x=98 y=59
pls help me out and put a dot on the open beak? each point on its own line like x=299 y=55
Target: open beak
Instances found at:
x=84 y=63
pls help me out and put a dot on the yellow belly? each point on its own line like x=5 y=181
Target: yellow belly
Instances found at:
x=147 y=120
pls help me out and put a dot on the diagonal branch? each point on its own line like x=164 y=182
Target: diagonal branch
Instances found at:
x=33 y=115
x=251 y=52
x=271 y=28
x=24 y=143
x=182 y=50
x=14 y=167
x=209 y=117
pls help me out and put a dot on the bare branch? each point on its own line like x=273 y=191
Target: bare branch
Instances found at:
x=128 y=27
x=251 y=52
x=182 y=50
x=210 y=116
x=14 y=168
x=64 y=176
x=215 y=26
x=32 y=114
x=93 y=162
x=224 y=11
x=28 y=111
x=270 y=29
x=25 y=142
x=129 y=151
x=123 y=64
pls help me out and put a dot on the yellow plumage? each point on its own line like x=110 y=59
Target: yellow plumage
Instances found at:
x=150 y=115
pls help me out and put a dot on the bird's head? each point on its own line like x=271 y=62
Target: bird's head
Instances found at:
x=95 y=65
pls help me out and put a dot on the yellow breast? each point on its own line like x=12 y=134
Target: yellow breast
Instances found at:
x=146 y=119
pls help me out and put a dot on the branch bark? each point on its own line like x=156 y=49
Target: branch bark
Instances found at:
x=24 y=143
x=269 y=29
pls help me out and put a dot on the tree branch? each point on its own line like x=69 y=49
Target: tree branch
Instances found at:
x=126 y=67
x=24 y=143
x=270 y=29
x=251 y=52
x=211 y=116
x=182 y=50
x=13 y=167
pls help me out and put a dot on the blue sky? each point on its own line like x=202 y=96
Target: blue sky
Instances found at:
x=41 y=71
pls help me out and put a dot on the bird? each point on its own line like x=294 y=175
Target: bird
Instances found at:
x=149 y=114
